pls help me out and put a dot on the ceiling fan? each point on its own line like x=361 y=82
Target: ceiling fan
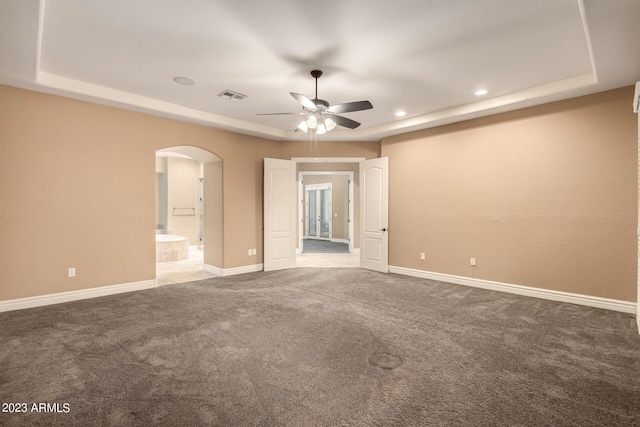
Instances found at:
x=322 y=116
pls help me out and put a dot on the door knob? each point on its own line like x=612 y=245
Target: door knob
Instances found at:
x=383 y=229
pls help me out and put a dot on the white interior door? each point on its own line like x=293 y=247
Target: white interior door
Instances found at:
x=374 y=214
x=279 y=214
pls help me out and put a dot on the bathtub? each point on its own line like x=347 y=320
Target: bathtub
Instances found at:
x=170 y=247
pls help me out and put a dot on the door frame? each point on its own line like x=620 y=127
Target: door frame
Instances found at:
x=301 y=206
x=306 y=222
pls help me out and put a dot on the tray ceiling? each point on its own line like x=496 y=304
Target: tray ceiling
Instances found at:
x=426 y=58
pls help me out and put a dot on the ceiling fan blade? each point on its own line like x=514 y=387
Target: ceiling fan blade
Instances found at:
x=343 y=121
x=348 y=107
x=306 y=102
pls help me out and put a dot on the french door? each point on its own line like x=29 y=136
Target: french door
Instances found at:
x=318 y=211
x=280 y=214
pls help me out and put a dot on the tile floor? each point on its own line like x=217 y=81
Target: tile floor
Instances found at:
x=328 y=260
x=191 y=269
x=186 y=270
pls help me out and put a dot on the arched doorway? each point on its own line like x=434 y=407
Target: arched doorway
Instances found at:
x=188 y=214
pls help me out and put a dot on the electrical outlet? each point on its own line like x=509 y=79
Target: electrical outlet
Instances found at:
x=422 y=256
x=473 y=262
x=249 y=252
x=253 y=251
x=71 y=272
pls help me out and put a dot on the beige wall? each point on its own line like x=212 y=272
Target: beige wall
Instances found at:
x=77 y=183
x=543 y=197
x=364 y=149
x=161 y=193
x=182 y=197
x=213 y=227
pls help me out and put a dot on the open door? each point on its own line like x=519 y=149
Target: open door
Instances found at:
x=374 y=214
x=280 y=200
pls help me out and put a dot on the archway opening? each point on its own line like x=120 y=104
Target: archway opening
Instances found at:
x=188 y=214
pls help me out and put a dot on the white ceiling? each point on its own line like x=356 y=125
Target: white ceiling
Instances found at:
x=425 y=57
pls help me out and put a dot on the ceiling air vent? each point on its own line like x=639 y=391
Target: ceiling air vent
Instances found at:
x=231 y=95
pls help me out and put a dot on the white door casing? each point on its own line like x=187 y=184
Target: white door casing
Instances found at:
x=349 y=216
x=279 y=214
x=374 y=214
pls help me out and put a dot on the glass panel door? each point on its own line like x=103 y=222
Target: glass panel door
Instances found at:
x=318 y=211
x=325 y=213
x=313 y=214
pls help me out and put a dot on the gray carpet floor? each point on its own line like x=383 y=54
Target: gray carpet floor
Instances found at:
x=323 y=246
x=320 y=347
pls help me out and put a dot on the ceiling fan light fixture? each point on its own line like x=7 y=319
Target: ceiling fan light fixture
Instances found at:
x=303 y=126
x=329 y=124
x=312 y=122
x=321 y=116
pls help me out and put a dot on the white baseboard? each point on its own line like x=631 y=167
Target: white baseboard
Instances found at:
x=591 y=301
x=233 y=271
x=57 y=298
x=340 y=241
x=213 y=269
x=243 y=269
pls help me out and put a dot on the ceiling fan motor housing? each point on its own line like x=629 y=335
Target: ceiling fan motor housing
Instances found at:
x=321 y=102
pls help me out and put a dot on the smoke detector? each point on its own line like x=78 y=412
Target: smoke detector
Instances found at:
x=184 y=81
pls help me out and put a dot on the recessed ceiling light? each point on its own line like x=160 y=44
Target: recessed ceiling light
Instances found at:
x=184 y=81
x=480 y=92
x=400 y=113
